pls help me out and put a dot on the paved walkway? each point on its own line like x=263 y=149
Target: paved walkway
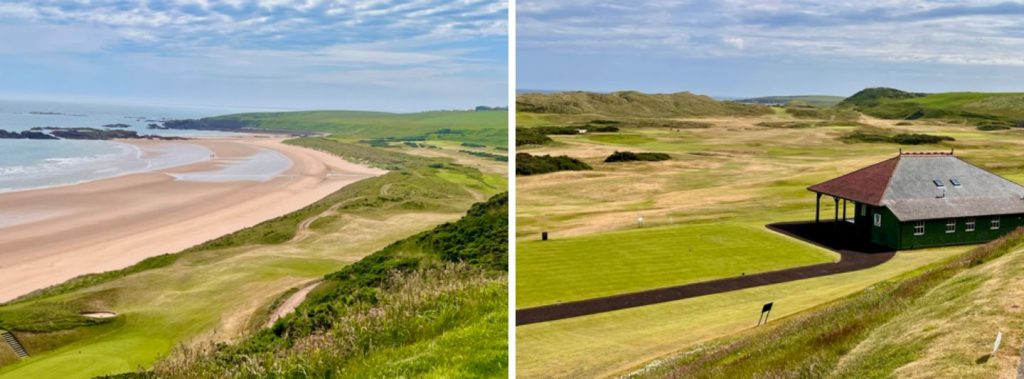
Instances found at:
x=854 y=256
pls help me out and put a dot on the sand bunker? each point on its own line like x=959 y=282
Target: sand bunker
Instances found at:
x=99 y=314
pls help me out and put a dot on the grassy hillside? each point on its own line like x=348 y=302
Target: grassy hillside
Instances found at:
x=635 y=104
x=440 y=294
x=939 y=321
x=481 y=127
x=813 y=100
x=975 y=108
x=226 y=288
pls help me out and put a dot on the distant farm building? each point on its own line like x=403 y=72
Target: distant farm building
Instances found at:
x=918 y=200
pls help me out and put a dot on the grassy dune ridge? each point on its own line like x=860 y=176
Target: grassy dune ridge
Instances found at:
x=222 y=289
x=975 y=108
x=631 y=103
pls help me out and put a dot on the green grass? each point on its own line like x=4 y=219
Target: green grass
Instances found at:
x=620 y=139
x=733 y=174
x=613 y=343
x=976 y=108
x=485 y=127
x=561 y=270
x=812 y=344
x=418 y=293
x=221 y=288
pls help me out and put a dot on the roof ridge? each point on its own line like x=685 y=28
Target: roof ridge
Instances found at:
x=888 y=181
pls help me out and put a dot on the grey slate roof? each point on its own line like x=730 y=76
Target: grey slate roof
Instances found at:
x=912 y=195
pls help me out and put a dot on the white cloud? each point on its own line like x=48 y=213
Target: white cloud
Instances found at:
x=957 y=32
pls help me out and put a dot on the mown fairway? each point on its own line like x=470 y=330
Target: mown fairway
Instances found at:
x=735 y=174
x=224 y=289
x=627 y=261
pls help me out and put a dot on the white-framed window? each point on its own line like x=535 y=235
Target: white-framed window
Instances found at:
x=995 y=222
x=878 y=219
x=969 y=225
x=919 y=228
x=951 y=225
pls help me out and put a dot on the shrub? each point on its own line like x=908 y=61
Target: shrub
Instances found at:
x=902 y=139
x=919 y=139
x=529 y=136
x=627 y=156
x=527 y=164
x=991 y=127
x=481 y=154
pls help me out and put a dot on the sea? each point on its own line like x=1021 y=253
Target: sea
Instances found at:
x=31 y=164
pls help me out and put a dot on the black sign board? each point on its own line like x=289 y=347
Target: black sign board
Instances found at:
x=766 y=310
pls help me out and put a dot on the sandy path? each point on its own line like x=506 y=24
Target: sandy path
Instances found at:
x=293 y=302
x=113 y=223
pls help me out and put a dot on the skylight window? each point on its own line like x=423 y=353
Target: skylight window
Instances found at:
x=955 y=181
x=938 y=183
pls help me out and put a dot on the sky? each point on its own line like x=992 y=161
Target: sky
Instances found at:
x=737 y=48
x=401 y=56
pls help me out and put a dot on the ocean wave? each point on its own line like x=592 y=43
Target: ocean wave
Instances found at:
x=71 y=164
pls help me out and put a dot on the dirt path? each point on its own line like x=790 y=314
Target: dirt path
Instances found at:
x=289 y=305
x=854 y=257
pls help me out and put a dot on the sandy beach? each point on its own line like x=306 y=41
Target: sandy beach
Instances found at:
x=54 y=234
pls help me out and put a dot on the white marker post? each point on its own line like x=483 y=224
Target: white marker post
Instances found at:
x=999 y=340
x=640 y=221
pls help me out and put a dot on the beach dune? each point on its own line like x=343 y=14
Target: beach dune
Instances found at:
x=54 y=234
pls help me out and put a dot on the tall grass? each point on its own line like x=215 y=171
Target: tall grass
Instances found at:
x=811 y=345
x=414 y=307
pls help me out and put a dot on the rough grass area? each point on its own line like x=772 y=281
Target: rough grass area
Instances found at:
x=561 y=270
x=429 y=291
x=813 y=344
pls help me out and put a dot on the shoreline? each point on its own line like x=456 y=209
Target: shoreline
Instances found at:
x=112 y=223
x=141 y=154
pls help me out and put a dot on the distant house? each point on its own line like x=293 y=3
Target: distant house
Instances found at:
x=918 y=200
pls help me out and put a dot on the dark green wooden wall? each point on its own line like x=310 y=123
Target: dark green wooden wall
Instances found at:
x=900 y=235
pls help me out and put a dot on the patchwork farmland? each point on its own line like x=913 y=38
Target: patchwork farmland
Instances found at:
x=623 y=227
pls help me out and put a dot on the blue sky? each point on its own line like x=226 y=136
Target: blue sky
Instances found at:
x=269 y=54
x=757 y=48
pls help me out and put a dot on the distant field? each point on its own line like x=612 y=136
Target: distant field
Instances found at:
x=815 y=100
x=606 y=264
x=484 y=127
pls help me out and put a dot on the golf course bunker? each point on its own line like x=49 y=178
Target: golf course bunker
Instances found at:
x=99 y=314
